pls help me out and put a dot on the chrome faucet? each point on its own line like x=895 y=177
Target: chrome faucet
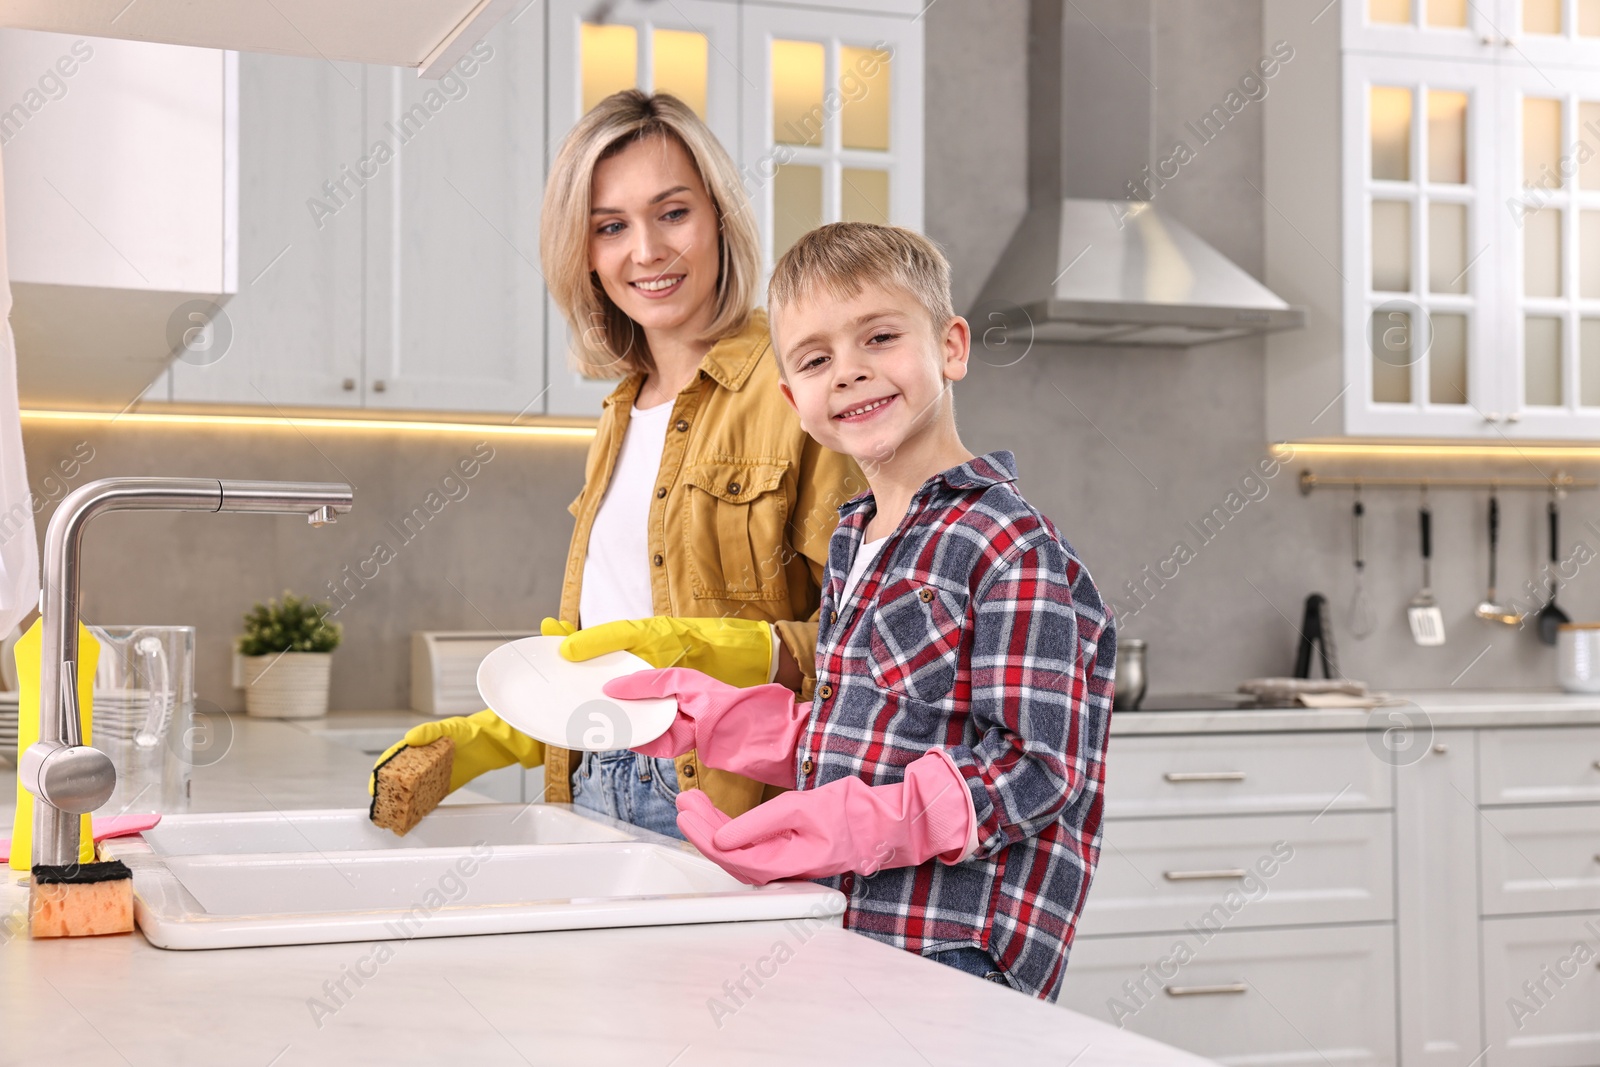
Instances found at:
x=66 y=777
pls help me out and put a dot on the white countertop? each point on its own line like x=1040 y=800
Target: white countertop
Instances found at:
x=1442 y=708
x=646 y=997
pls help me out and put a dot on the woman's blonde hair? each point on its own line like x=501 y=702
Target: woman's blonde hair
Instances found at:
x=606 y=343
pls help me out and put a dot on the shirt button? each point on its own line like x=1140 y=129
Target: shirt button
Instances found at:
x=833 y=616
x=733 y=488
x=682 y=426
x=661 y=492
x=807 y=767
x=926 y=594
x=824 y=691
x=656 y=559
x=688 y=770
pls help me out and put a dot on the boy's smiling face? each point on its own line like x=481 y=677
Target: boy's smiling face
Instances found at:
x=867 y=373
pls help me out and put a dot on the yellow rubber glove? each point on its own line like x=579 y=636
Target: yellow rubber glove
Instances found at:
x=484 y=742
x=735 y=651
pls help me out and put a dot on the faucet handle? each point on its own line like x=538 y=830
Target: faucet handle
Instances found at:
x=75 y=779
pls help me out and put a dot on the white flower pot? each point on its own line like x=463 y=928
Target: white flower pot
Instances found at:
x=288 y=685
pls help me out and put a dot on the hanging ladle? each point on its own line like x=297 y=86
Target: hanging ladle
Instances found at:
x=1552 y=618
x=1490 y=608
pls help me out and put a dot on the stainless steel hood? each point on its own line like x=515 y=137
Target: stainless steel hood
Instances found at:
x=1099 y=257
x=1120 y=272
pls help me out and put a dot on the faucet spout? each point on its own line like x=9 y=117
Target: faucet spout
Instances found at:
x=66 y=777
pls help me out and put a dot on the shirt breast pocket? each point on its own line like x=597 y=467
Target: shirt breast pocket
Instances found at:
x=915 y=644
x=734 y=530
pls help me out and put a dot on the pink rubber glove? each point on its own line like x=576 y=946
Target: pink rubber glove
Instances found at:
x=846 y=825
x=751 y=731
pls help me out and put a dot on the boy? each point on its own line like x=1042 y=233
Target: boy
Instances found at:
x=947 y=775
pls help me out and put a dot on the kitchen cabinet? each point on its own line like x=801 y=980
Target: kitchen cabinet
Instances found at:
x=1432 y=202
x=453 y=320
x=1244 y=902
x=1436 y=903
x=1317 y=896
x=1254 y=773
x=1540 y=766
x=390 y=236
x=1542 y=991
x=115 y=253
x=416 y=283
x=292 y=333
x=821 y=112
x=1314 y=995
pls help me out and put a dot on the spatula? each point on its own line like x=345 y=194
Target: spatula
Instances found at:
x=1427 y=621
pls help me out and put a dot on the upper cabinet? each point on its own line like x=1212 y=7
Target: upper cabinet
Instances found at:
x=121 y=192
x=1435 y=200
x=389 y=232
x=389 y=245
x=820 y=109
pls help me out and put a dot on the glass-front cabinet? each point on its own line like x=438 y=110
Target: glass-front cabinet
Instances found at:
x=1468 y=249
x=820 y=109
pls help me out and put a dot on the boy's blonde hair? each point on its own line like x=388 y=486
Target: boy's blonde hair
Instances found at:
x=606 y=343
x=841 y=257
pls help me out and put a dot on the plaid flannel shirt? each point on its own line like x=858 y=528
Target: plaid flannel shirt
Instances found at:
x=977 y=629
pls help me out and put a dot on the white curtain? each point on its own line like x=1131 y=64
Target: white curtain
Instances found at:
x=19 y=548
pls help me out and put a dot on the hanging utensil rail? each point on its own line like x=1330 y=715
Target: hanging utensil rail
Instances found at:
x=1558 y=481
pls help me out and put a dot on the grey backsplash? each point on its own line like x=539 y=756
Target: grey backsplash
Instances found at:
x=1126 y=450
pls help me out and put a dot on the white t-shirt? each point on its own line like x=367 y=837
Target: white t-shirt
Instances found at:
x=865 y=554
x=616 y=567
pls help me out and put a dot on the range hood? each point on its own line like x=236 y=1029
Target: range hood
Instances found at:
x=1119 y=272
x=1098 y=258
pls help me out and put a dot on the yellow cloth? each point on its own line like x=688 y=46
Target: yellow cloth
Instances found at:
x=28 y=658
x=483 y=742
x=736 y=651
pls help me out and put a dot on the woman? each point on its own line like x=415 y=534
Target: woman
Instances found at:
x=702 y=529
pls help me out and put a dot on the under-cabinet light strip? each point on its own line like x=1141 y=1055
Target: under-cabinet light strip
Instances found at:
x=1508 y=451
x=574 y=433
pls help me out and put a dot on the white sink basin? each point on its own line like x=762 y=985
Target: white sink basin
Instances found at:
x=235 y=880
x=349 y=830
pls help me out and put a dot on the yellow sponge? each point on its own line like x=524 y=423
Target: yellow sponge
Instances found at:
x=411 y=783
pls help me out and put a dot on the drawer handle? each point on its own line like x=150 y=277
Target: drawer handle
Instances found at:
x=1205 y=776
x=1200 y=876
x=1206 y=990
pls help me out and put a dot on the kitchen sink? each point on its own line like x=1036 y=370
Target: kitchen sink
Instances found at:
x=234 y=880
x=350 y=830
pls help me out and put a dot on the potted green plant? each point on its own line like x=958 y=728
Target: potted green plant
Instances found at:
x=287 y=649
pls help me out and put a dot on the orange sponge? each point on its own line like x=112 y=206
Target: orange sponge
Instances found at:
x=81 y=900
x=410 y=784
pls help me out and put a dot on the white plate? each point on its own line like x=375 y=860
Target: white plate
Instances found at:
x=530 y=686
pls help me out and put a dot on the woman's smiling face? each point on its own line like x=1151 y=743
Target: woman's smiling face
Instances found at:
x=653 y=236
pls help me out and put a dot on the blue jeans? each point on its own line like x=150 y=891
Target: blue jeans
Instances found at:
x=636 y=789
x=972 y=961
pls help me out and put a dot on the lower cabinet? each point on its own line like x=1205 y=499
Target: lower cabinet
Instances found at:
x=1307 y=898
x=1542 y=990
x=1260 y=997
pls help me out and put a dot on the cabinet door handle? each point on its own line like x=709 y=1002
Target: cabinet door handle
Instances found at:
x=1206 y=990
x=1214 y=776
x=1201 y=876
x=348 y=384
x=378 y=386
x=1597 y=764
